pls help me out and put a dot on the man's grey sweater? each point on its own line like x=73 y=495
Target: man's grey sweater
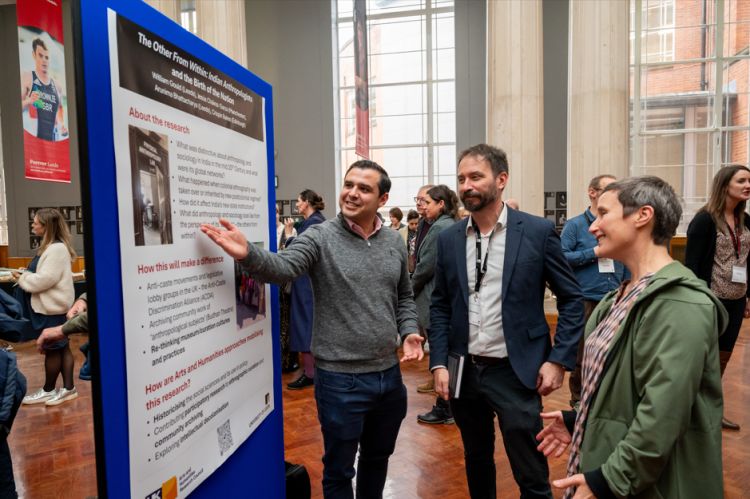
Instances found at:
x=361 y=289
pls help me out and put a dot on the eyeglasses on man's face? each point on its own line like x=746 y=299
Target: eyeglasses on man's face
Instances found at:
x=420 y=201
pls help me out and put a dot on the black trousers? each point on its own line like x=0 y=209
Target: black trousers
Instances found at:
x=736 y=310
x=7 y=484
x=495 y=390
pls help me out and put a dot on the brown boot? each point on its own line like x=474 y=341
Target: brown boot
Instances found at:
x=427 y=387
x=723 y=361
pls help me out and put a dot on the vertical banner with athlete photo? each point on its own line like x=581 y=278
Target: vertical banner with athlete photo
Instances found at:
x=361 y=90
x=44 y=103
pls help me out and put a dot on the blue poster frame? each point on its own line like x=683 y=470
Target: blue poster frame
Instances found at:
x=256 y=468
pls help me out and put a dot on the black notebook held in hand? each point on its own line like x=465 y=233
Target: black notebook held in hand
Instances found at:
x=455 y=374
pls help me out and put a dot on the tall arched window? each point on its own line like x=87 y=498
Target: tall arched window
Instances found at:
x=412 y=91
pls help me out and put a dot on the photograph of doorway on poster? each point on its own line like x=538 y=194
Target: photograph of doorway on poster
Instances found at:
x=44 y=103
x=152 y=209
x=190 y=147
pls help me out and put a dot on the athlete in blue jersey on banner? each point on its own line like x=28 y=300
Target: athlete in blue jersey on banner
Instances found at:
x=39 y=91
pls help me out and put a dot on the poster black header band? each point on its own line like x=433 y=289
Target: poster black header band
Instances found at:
x=157 y=69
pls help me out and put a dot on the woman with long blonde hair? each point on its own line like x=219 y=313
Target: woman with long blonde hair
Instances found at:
x=48 y=293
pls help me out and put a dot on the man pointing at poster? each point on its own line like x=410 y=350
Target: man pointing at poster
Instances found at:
x=40 y=92
x=363 y=304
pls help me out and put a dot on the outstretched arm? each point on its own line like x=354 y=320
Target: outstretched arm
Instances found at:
x=555 y=437
x=294 y=261
x=228 y=237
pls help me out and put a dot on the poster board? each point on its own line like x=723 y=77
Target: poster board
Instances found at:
x=187 y=400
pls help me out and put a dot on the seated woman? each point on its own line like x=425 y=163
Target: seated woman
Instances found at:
x=47 y=286
x=649 y=422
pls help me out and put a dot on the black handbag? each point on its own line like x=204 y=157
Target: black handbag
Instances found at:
x=297 y=481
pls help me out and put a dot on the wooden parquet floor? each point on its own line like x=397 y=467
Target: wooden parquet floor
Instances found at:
x=53 y=448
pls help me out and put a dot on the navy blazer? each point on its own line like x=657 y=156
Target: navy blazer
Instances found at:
x=533 y=257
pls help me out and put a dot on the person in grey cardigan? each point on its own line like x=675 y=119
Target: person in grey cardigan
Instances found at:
x=363 y=305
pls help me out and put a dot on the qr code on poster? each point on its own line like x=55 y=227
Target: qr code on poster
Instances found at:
x=225 y=437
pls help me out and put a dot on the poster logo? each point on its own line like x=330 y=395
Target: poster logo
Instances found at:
x=168 y=490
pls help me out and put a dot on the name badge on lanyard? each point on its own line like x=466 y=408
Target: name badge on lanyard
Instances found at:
x=606 y=266
x=739 y=274
x=475 y=310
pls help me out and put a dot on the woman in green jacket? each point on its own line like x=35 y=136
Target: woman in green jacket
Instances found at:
x=649 y=422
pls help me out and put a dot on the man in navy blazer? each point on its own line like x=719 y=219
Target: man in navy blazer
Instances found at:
x=488 y=305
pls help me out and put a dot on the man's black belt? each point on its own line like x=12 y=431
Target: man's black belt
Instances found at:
x=487 y=361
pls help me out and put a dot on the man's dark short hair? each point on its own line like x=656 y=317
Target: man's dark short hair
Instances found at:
x=384 y=184
x=493 y=155
x=38 y=42
x=412 y=215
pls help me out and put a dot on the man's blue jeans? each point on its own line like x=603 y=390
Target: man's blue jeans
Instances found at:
x=358 y=410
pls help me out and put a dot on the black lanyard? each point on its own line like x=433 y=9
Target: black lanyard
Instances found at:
x=481 y=266
x=736 y=234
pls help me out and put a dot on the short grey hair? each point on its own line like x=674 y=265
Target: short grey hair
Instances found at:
x=636 y=192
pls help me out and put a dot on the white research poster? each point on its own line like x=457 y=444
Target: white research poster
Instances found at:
x=189 y=147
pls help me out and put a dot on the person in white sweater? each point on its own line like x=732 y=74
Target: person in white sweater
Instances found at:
x=48 y=293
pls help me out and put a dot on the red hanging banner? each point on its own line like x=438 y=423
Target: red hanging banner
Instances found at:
x=44 y=103
x=362 y=93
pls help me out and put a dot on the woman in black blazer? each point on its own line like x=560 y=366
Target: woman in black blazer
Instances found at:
x=718 y=243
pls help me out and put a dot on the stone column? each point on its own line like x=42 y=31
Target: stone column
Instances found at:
x=515 y=100
x=222 y=24
x=598 y=76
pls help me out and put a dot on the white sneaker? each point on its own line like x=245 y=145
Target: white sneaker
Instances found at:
x=39 y=397
x=63 y=395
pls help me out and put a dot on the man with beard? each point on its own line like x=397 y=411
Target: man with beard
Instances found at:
x=488 y=306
